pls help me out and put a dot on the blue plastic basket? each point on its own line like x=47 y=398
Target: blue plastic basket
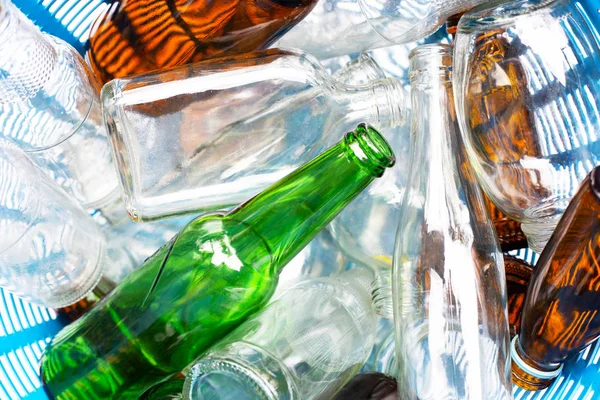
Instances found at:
x=25 y=330
x=70 y=20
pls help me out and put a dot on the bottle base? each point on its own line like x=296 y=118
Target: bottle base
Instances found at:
x=539 y=233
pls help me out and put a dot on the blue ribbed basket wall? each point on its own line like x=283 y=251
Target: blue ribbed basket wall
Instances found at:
x=69 y=20
x=25 y=329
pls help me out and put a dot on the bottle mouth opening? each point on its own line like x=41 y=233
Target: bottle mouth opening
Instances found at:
x=430 y=58
x=371 y=149
x=500 y=13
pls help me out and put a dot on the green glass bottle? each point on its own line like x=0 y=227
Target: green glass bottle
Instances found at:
x=214 y=274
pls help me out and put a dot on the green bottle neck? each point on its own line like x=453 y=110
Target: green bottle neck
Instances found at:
x=291 y=212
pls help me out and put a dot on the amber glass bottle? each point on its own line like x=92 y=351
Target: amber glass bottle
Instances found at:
x=518 y=275
x=136 y=36
x=494 y=109
x=561 y=315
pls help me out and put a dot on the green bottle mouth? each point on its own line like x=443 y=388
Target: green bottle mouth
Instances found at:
x=370 y=149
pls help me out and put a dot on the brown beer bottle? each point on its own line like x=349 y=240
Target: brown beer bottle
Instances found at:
x=561 y=315
x=518 y=275
x=137 y=36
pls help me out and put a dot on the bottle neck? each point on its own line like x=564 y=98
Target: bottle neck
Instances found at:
x=381 y=102
x=291 y=212
x=28 y=58
x=360 y=71
x=433 y=118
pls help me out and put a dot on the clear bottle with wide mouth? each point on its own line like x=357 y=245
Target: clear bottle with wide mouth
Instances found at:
x=49 y=107
x=338 y=27
x=213 y=134
x=449 y=287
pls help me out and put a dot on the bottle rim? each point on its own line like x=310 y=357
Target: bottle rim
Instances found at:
x=370 y=149
x=430 y=58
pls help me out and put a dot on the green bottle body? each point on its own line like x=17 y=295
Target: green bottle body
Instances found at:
x=214 y=274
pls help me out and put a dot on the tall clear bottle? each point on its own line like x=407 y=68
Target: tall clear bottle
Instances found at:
x=216 y=133
x=449 y=288
x=338 y=27
x=219 y=270
x=49 y=107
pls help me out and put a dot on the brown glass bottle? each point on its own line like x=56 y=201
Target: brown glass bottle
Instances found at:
x=137 y=36
x=518 y=275
x=561 y=315
x=501 y=123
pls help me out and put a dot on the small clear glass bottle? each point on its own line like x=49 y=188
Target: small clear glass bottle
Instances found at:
x=180 y=148
x=449 y=287
x=49 y=107
x=305 y=345
x=338 y=27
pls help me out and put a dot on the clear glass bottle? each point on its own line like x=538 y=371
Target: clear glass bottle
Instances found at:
x=338 y=27
x=304 y=345
x=218 y=271
x=560 y=316
x=140 y=36
x=179 y=146
x=449 y=288
x=49 y=107
x=527 y=95
x=51 y=252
